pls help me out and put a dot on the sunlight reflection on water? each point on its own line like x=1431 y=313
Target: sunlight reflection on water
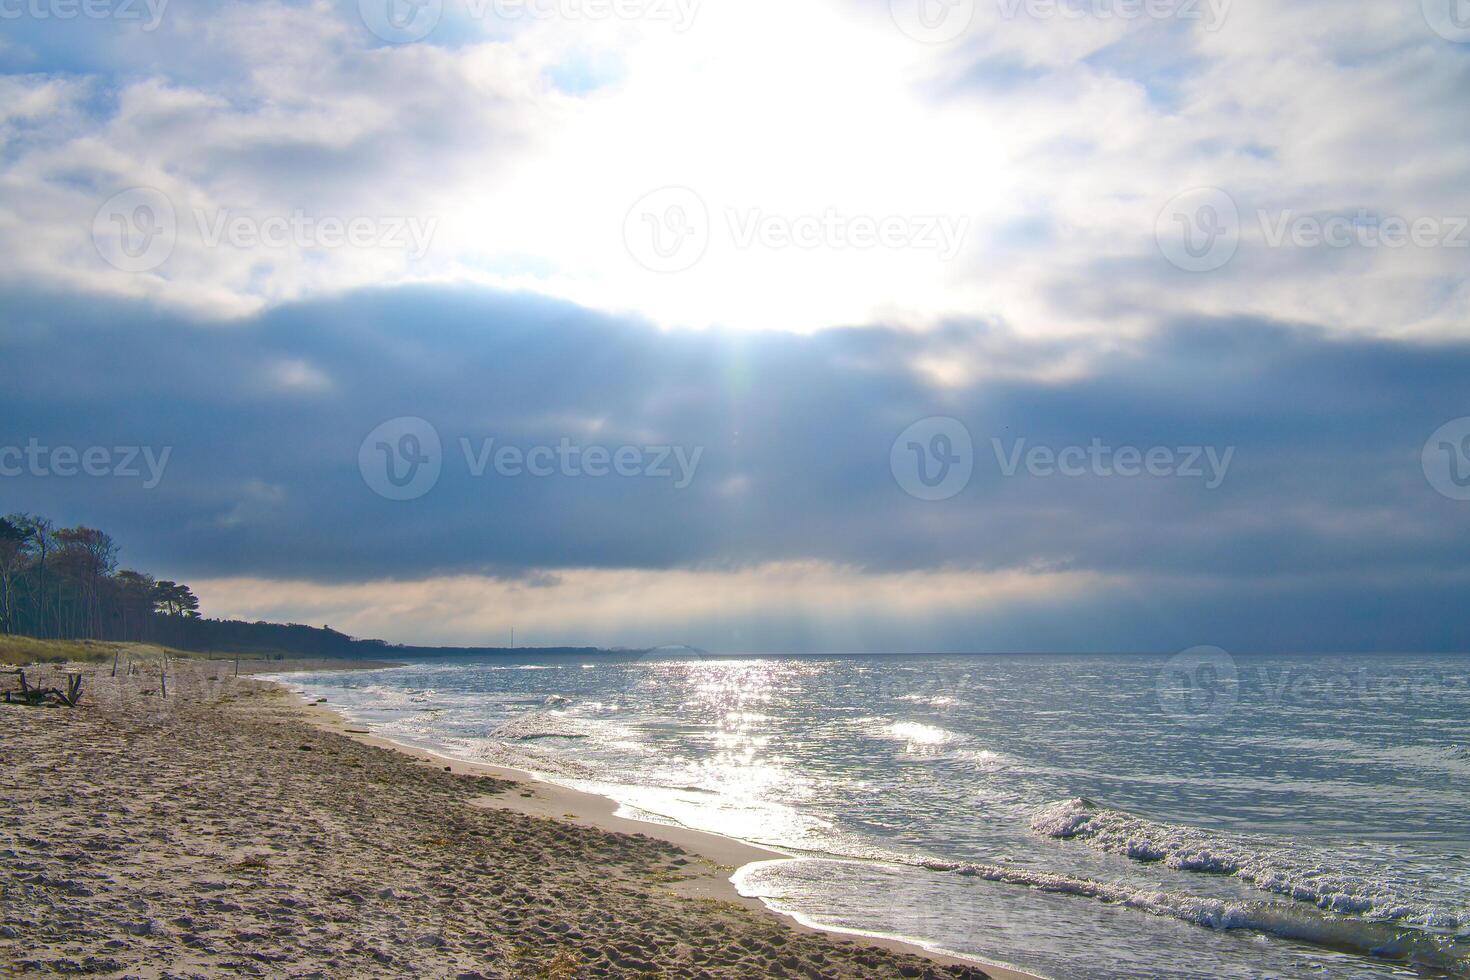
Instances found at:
x=948 y=758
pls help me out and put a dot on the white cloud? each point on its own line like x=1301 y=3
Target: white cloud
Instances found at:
x=1056 y=142
x=298 y=375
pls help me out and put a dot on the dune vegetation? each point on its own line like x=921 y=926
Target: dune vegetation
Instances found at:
x=22 y=650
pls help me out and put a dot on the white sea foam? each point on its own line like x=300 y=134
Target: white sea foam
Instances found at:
x=540 y=724
x=1290 y=921
x=930 y=743
x=932 y=700
x=917 y=733
x=381 y=697
x=1271 y=869
x=545 y=765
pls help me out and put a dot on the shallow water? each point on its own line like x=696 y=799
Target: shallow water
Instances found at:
x=1099 y=816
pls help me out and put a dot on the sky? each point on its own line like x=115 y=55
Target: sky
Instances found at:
x=800 y=326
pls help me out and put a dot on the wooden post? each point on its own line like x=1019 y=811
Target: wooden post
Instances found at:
x=24 y=691
x=73 y=693
x=163 y=677
x=116 y=652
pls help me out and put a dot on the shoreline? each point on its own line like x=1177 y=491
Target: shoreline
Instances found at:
x=553 y=801
x=229 y=829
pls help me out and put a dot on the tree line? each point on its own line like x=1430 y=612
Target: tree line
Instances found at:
x=63 y=583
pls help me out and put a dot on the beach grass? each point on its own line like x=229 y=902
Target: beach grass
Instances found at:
x=19 y=651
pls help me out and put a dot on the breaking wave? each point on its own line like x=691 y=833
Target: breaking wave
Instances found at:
x=539 y=724
x=1331 y=907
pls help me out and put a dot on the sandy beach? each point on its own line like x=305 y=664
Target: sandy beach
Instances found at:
x=232 y=829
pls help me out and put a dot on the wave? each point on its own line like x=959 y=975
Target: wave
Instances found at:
x=539 y=724
x=1303 y=898
x=1268 y=868
x=1304 y=924
x=932 y=700
x=918 y=732
x=375 y=697
x=932 y=744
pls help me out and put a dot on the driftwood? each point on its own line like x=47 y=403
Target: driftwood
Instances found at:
x=44 y=695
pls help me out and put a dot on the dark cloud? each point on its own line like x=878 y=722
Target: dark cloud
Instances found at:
x=1324 y=499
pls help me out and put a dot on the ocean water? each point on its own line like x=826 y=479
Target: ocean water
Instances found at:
x=1072 y=816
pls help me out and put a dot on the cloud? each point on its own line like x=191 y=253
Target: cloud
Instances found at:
x=791 y=438
x=732 y=607
x=502 y=229
x=1050 y=143
x=298 y=375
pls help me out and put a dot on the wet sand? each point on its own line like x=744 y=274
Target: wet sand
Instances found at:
x=231 y=829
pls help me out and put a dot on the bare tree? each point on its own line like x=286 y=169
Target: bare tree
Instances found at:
x=87 y=557
x=12 y=563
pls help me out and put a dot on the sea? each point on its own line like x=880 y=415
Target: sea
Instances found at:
x=1098 y=816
